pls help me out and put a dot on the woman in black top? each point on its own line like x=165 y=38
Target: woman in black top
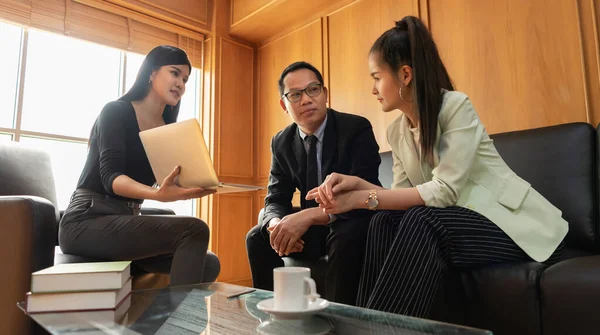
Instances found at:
x=103 y=219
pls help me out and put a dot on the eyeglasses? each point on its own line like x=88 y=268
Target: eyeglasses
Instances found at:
x=311 y=90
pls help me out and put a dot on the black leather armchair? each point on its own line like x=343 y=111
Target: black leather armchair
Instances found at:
x=29 y=218
x=29 y=222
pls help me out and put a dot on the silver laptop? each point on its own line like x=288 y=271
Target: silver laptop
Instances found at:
x=182 y=143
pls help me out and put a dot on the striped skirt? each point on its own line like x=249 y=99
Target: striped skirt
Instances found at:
x=408 y=253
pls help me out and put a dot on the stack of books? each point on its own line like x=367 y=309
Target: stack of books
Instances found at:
x=80 y=287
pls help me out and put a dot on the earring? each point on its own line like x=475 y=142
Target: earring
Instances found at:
x=401 y=97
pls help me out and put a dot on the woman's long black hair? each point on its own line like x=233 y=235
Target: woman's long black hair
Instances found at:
x=410 y=43
x=160 y=56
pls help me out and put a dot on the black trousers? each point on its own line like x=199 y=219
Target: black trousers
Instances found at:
x=100 y=227
x=343 y=241
x=408 y=253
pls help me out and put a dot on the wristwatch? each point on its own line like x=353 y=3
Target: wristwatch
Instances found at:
x=372 y=201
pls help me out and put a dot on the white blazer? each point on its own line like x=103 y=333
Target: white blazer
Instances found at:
x=469 y=172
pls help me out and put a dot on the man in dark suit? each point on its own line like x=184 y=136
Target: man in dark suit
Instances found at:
x=319 y=142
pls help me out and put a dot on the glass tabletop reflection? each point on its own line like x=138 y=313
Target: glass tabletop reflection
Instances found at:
x=205 y=309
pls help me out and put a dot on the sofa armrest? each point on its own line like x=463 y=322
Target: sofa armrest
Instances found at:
x=29 y=220
x=156 y=211
x=29 y=230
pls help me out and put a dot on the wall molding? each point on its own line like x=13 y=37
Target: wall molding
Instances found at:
x=220 y=102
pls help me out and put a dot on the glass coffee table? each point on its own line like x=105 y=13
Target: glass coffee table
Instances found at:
x=205 y=309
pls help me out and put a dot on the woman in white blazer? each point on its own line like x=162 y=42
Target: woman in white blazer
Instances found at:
x=454 y=202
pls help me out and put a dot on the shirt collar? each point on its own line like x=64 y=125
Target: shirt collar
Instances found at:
x=319 y=133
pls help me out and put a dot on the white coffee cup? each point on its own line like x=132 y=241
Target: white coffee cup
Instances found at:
x=290 y=284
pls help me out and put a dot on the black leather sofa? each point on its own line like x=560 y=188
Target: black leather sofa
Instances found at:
x=560 y=162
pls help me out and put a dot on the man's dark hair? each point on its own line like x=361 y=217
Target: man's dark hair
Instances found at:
x=295 y=67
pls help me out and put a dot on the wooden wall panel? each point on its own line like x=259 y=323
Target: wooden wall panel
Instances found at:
x=235 y=154
x=189 y=11
x=588 y=15
x=205 y=204
x=207 y=87
x=302 y=45
x=241 y=9
x=349 y=44
x=229 y=100
x=259 y=204
x=235 y=212
x=263 y=20
x=519 y=61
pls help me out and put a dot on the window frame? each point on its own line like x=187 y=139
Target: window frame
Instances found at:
x=17 y=132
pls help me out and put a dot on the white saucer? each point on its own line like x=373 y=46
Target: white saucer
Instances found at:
x=309 y=326
x=267 y=305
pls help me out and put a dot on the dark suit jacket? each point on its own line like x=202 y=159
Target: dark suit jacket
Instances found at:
x=349 y=147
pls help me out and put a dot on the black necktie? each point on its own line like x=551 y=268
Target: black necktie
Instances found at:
x=312 y=172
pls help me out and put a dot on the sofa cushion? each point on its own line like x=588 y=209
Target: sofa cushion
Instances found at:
x=503 y=298
x=386 y=174
x=570 y=296
x=212 y=264
x=61 y=258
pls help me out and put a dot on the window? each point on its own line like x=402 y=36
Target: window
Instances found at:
x=67 y=160
x=134 y=62
x=67 y=81
x=190 y=106
x=10 y=37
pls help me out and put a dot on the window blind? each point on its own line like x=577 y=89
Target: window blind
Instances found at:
x=125 y=30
